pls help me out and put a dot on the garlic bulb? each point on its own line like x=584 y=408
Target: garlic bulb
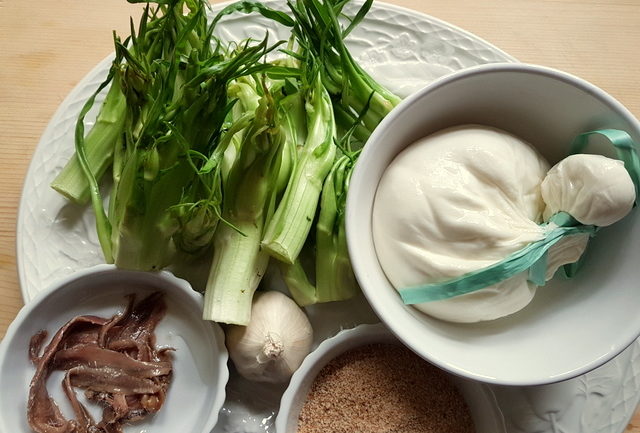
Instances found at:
x=274 y=343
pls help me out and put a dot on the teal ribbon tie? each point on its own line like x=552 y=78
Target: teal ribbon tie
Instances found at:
x=517 y=262
x=538 y=270
x=533 y=257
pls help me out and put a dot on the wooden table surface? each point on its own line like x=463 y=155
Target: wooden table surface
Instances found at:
x=49 y=45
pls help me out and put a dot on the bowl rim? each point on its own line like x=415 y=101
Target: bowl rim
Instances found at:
x=181 y=286
x=358 y=263
x=360 y=335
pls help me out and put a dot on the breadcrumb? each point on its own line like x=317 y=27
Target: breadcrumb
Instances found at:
x=383 y=388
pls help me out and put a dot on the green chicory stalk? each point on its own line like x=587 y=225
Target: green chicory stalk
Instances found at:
x=153 y=167
x=249 y=201
x=99 y=144
x=199 y=210
x=334 y=278
x=149 y=44
x=286 y=233
x=318 y=31
x=319 y=34
x=179 y=159
x=295 y=277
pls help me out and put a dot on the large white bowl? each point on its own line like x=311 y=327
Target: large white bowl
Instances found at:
x=200 y=374
x=571 y=326
x=482 y=405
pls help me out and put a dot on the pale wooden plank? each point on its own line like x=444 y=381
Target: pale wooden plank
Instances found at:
x=48 y=46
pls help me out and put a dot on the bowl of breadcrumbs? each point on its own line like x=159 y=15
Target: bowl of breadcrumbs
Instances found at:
x=364 y=380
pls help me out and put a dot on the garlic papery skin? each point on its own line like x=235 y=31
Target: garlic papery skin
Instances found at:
x=274 y=343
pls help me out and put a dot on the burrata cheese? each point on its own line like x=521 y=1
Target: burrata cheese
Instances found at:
x=455 y=202
x=594 y=189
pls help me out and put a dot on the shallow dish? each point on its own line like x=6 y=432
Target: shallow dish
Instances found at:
x=197 y=389
x=482 y=405
x=571 y=326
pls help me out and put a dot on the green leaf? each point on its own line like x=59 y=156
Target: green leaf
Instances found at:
x=249 y=7
x=103 y=227
x=362 y=12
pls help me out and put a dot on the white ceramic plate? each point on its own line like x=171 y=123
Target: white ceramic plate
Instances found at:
x=403 y=49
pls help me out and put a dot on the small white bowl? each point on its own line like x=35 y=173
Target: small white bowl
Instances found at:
x=480 y=399
x=571 y=326
x=200 y=374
